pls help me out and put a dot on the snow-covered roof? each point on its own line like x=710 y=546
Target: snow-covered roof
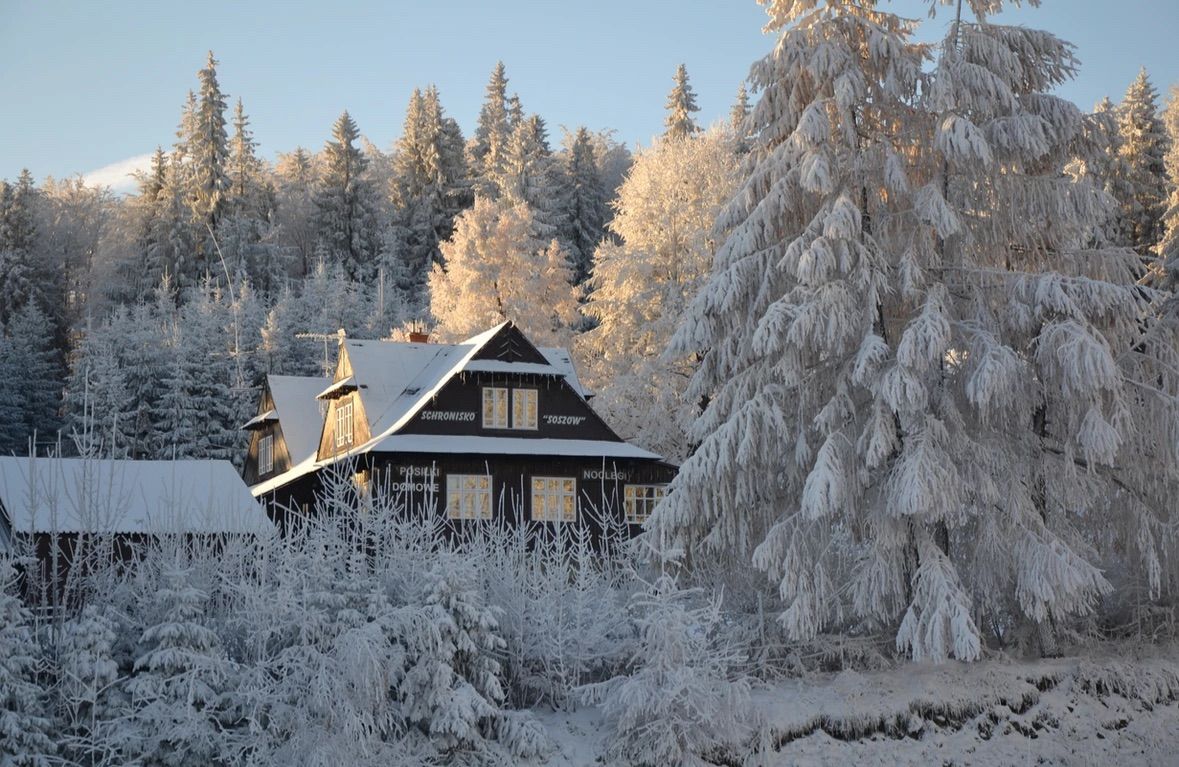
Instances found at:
x=300 y=415
x=267 y=417
x=343 y=385
x=471 y=445
x=398 y=379
x=563 y=362
x=70 y=495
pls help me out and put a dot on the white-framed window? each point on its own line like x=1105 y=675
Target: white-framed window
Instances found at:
x=495 y=407
x=524 y=408
x=554 y=499
x=265 y=454
x=344 y=424
x=639 y=501
x=468 y=496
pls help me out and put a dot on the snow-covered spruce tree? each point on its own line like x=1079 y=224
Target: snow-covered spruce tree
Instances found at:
x=585 y=205
x=244 y=234
x=1105 y=169
x=917 y=380
x=97 y=399
x=429 y=188
x=208 y=154
x=22 y=278
x=641 y=286
x=180 y=675
x=24 y=725
x=295 y=181
x=496 y=270
x=492 y=130
x=529 y=174
x=86 y=686
x=29 y=353
x=1168 y=248
x=740 y=110
x=452 y=690
x=681 y=103
x=1143 y=145
x=345 y=204
x=680 y=700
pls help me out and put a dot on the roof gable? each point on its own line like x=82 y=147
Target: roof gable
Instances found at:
x=508 y=344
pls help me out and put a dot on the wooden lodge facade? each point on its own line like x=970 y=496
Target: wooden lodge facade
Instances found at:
x=492 y=428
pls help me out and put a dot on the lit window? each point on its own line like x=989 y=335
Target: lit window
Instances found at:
x=468 y=496
x=523 y=408
x=344 y=424
x=495 y=408
x=554 y=499
x=265 y=454
x=639 y=501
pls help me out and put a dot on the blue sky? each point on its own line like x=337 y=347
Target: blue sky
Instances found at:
x=86 y=84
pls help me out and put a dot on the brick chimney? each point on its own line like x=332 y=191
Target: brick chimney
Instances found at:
x=418 y=334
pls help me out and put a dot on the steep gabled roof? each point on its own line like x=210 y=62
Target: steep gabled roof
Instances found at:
x=395 y=380
x=298 y=412
x=71 y=495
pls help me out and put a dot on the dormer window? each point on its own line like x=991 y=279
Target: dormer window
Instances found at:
x=265 y=454
x=344 y=424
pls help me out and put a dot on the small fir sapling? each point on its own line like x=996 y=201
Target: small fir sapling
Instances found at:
x=25 y=726
x=680 y=699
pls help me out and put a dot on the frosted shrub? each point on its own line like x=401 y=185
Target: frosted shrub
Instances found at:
x=680 y=700
x=24 y=726
x=179 y=677
x=87 y=675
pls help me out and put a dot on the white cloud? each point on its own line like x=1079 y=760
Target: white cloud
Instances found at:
x=118 y=175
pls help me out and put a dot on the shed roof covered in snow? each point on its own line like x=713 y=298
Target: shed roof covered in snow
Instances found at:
x=72 y=495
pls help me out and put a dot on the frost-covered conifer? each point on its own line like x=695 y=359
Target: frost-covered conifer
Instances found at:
x=1142 y=147
x=916 y=373
x=530 y=175
x=740 y=110
x=24 y=724
x=249 y=208
x=452 y=689
x=493 y=123
x=585 y=205
x=179 y=677
x=30 y=356
x=97 y=400
x=681 y=103
x=346 y=204
x=496 y=270
x=642 y=285
x=1168 y=248
x=21 y=281
x=87 y=674
x=296 y=180
x=680 y=700
x=429 y=189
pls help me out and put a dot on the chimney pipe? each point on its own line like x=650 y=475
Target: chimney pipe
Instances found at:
x=418 y=333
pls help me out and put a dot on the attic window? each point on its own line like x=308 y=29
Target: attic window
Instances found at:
x=344 y=424
x=265 y=455
x=524 y=408
x=495 y=407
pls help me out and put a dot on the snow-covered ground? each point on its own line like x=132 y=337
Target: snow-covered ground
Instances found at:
x=1115 y=709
